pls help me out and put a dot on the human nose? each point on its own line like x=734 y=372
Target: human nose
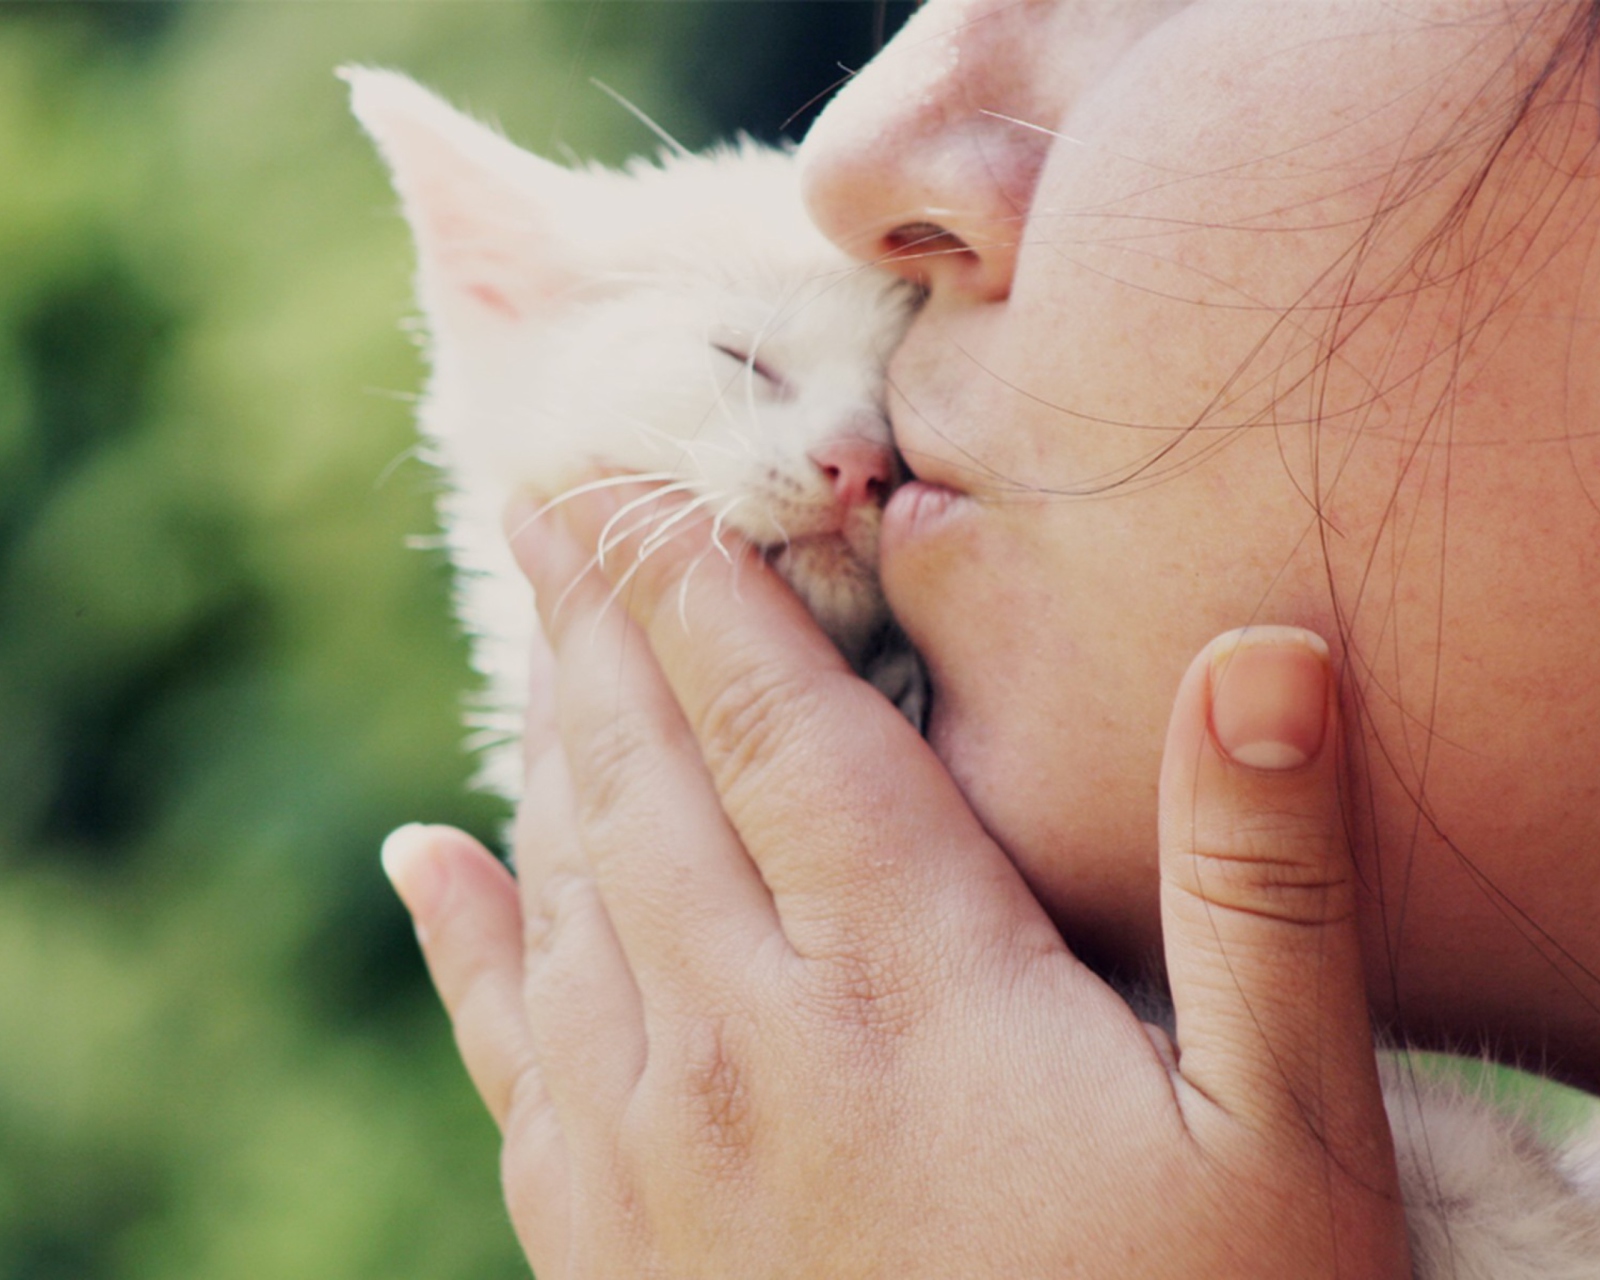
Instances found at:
x=926 y=162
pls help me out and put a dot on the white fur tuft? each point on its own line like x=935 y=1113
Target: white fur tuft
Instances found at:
x=1486 y=1198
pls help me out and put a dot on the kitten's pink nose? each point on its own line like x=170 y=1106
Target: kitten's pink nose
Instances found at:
x=859 y=470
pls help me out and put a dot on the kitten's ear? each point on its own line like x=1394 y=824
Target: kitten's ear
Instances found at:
x=487 y=216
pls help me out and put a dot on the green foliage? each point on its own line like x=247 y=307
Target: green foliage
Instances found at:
x=222 y=676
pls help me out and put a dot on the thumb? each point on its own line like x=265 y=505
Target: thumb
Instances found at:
x=1258 y=894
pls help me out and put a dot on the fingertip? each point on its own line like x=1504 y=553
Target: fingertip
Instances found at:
x=463 y=904
x=420 y=861
x=1268 y=690
x=411 y=861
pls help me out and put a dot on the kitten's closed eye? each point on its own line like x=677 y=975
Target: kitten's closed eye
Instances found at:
x=764 y=371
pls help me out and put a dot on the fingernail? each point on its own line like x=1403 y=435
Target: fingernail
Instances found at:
x=415 y=872
x=1269 y=696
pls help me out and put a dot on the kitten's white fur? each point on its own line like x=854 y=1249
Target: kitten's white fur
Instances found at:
x=1486 y=1198
x=585 y=318
x=574 y=319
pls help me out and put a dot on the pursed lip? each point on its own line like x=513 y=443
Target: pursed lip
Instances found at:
x=920 y=509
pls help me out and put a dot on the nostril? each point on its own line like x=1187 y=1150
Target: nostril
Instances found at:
x=873 y=490
x=858 y=471
x=916 y=241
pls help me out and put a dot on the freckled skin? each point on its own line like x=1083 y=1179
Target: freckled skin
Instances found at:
x=1207 y=310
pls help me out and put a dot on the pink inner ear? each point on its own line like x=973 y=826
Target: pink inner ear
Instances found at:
x=490 y=277
x=481 y=209
x=494 y=300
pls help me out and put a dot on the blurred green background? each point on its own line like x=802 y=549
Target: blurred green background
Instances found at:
x=223 y=677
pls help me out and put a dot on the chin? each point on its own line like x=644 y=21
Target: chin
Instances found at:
x=1085 y=847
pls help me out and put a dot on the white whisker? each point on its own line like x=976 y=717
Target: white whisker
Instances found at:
x=717 y=524
x=689 y=446
x=626 y=578
x=683 y=588
x=683 y=513
x=561 y=600
x=640 y=528
x=738 y=566
x=606 y=540
x=638 y=114
x=405 y=455
x=720 y=404
x=592 y=486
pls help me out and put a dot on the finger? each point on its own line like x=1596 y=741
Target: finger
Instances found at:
x=537 y=1181
x=539 y=730
x=545 y=839
x=682 y=896
x=582 y=1003
x=584 y=1010
x=845 y=809
x=1258 y=894
x=469 y=922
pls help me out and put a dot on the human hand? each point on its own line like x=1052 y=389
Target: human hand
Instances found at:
x=765 y=1000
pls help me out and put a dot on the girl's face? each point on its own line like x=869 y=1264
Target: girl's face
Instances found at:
x=1239 y=310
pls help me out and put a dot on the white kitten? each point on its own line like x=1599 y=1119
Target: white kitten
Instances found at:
x=683 y=320
x=686 y=321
